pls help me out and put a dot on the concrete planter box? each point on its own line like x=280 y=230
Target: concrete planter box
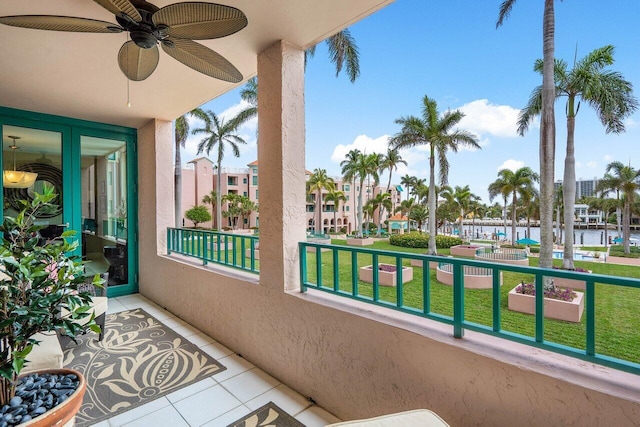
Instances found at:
x=464 y=250
x=359 y=242
x=247 y=253
x=571 y=283
x=474 y=277
x=570 y=311
x=385 y=278
x=432 y=264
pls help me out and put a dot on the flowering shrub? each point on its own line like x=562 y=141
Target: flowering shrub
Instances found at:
x=387 y=267
x=421 y=240
x=554 y=292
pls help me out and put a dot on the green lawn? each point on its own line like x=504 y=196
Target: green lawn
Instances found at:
x=617 y=322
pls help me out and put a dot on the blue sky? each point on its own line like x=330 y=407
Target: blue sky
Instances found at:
x=451 y=51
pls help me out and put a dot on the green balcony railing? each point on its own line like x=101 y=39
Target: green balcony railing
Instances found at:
x=343 y=270
x=232 y=250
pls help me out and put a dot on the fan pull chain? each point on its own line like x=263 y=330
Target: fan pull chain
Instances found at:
x=128 y=98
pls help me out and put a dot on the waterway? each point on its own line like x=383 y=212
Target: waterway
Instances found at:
x=581 y=237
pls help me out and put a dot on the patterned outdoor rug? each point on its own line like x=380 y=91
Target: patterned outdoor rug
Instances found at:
x=267 y=415
x=139 y=360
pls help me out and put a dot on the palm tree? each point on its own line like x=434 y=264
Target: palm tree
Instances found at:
x=247 y=206
x=408 y=182
x=219 y=132
x=558 y=199
x=343 y=52
x=497 y=188
x=461 y=198
x=358 y=166
x=181 y=130
x=211 y=200
x=381 y=202
x=233 y=208
x=604 y=90
x=439 y=133
x=335 y=196
x=516 y=183
x=607 y=206
x=547 y=128
x=419 y=214
x=405 y=207
x=319 y=181
x=390 y=162
x=627 y=180
x=529 y=199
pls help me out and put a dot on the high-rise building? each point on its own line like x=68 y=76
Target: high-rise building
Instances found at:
x=584 y=187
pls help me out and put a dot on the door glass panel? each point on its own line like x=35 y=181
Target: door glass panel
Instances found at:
x=104 y=207
x=38 y=152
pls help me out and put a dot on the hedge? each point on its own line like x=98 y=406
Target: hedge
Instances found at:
x=421 y=240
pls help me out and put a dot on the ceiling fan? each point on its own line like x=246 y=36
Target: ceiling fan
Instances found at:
x=174 y=27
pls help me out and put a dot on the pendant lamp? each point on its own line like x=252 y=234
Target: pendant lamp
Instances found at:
x=14 y=178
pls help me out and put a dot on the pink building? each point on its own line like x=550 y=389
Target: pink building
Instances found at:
x=199 y=179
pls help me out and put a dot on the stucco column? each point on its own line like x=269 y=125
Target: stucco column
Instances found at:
x=155 y=190
x=281 y=164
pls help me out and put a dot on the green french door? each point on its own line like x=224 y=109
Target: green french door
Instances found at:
x=92 y=166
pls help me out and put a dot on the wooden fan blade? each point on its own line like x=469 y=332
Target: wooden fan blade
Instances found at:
x=202 y=59
x=118 y=7
x=60 y=23
x=200 y=21
x=136 y=63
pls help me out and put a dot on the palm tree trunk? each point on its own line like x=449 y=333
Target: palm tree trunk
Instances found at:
x=514 y=215
x=547 y=138
x=219 y=198
x=569 y=188
x=504 y=217
x=335 y=221
x=432 y=202
x=360 y=210
x=319 y=209
x=626 y=220
x=177 y=185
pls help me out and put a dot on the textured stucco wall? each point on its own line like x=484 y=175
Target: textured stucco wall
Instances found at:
x=355 y=364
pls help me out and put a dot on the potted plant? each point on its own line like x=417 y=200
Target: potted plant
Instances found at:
x=38 y=293
x=559 y=303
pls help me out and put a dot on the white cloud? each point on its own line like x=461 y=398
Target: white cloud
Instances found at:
x=485 y=119
x=608 y=158
x=364 y=143
x=512 y=165
x=630 y=123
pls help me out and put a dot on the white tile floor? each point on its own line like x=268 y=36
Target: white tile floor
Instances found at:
x=218 y=400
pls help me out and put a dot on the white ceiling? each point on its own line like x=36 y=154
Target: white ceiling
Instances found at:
x=77 y=75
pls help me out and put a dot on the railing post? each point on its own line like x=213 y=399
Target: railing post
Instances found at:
x=539 y=286
x=458 y=301
x=496 y=299
x=318 y=265
x=399 y=290
x=375 y=277
x=205 y=251
x=426 y=287
x=303 y=266
x=169 y=241
x=336 y=274
x=253 y=254
x=590 y=294
x=354 y=273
